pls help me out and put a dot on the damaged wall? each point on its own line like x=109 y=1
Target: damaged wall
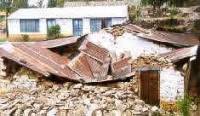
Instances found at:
x=127 y=44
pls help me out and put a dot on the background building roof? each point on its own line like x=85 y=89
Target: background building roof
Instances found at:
x=71 y=12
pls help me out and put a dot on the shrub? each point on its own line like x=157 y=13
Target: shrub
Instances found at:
x=134 y=13
x=184 y=105
x=173 y=12
x=53 y=32
x=25 y=38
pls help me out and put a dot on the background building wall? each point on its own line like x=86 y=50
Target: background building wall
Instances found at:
x=66 y=26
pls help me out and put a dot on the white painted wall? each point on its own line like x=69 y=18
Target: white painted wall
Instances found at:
x=65 y=24
x=86 y=26
x=43 y=26
x=116 y=21
x=14 y=26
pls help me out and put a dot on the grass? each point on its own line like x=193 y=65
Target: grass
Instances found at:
x=184 y=105
x=2 y=40
x=2 y=18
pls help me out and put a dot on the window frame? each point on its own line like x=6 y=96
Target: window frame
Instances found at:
x=77 y=29
x=25 y=25
x=94 y=24
x=52 y=24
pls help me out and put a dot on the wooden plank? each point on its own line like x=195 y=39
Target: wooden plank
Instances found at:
x=149 y=86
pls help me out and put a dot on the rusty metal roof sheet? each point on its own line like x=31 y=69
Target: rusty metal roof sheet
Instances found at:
x=179 y=54
x=121 y=68
x=91 y=65
x=99 y=70
x=81 y=66
x=176 y=39
x=57 y=42
x=96 y=52
x=51 y=43
x=40 y=60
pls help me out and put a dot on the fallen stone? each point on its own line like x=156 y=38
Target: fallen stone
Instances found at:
x=62 y=112
x=78 y=86
x=52 y=112
x=27 y=112
x=43 y=113
x=98 y=113
x=9 y=112
x=154 y=108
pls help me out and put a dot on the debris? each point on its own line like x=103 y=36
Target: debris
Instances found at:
x=151 y=60
x=179 y=54
x=91 y=65
x=175 y=39
x=116 y=30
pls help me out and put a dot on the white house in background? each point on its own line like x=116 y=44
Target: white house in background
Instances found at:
x=72 y=20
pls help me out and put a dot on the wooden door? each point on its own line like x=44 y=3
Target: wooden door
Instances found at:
x=149 y=86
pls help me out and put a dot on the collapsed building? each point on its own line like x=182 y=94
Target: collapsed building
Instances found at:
x=116 y=53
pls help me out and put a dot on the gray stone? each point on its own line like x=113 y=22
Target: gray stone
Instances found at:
x=78 y=86
x=43 y=113
x=154 y=108
x=52 y=112
x=144 y=109
x=138 y=107
x=98 y=113
x=62 y=112
x=9 y=112
x=18 y=112
x=27 y=112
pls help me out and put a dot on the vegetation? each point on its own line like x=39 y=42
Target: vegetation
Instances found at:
x=2 y=40
x=155 y=3
x=56 y=3
x=184 y=105
x=1 y=18
x=9 y=6
x=159 y=3
x=53 y=32
x=134 y=13
x=25 y=38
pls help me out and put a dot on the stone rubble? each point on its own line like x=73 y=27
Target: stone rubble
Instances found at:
x=47 y=98
x=151 y=60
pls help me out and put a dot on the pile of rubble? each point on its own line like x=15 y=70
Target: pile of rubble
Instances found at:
x=151 y=60
x=106 y=56
x=29 y=96
x=116 y=30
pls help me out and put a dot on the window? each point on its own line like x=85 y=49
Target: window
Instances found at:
x=51 y=22
x=98 y=24
x=29 y=25
x=107 y=22
x=95 y=25
x=77 y=27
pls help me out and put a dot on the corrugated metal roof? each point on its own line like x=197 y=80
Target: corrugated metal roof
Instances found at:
x=56 y=42
x=175 y=39
x=96 y=52
x=91 y=65
x=40 y=60
x=121 y=68
x=179 y=54
x=71 y=12
x=52 y=43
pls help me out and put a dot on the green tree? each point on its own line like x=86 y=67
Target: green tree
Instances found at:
x=9 y=6
x=51 y=3
x=154 y=3
x=6 y=6
x=60 y=3
x=20 y=4
x=55 y=3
